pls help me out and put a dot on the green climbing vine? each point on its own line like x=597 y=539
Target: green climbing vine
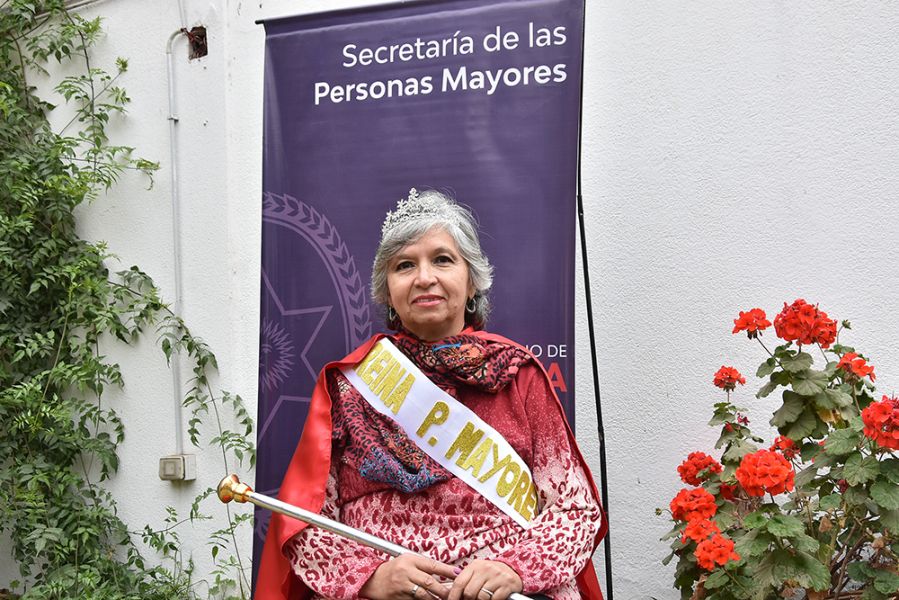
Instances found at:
x=58 y=304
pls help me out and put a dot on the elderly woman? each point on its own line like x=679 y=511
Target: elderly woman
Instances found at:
x=442 y=438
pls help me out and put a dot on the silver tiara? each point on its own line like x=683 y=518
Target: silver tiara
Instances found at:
x=414 y=207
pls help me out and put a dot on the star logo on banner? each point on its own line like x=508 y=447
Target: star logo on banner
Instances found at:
x=282 y=331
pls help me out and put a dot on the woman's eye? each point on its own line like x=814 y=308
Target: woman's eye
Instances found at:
x=403 y=265
x=443 y=259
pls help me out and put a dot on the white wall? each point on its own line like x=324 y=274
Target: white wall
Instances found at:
x=735 y=155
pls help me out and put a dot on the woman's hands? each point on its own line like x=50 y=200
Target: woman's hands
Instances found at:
x=485 y=580
x=408 y=576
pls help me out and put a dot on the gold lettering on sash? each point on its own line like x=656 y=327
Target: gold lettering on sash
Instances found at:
x=388 y=380
x=437 y=416
x=530 y=504
x=519 y=493
x=476 y=460
x=497 y=464
x=375 y=366
x=378 y=366
x=372 y=354
x=465 y=442
x=396 y=398
x=505 y=485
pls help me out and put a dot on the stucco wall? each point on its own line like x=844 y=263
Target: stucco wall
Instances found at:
x=735 y=155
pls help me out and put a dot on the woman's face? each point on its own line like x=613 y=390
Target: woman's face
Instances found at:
x=428 y=286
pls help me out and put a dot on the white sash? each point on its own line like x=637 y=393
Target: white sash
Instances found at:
x=446 y=430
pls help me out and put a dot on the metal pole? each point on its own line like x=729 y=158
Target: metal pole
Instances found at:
x=588 y=296
x=230 y=488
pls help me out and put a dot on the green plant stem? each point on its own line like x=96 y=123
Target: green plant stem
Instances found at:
x=735 y=580
x=90 y=77
x=771 y=354
x=26 y=95
x=75 y=118
x=218 y=420
x=62 y=339
x=30 y=31
x=808 y=511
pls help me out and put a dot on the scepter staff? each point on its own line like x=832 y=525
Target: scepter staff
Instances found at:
x=230 y=488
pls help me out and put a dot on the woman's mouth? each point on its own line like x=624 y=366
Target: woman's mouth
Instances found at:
x=428 y=300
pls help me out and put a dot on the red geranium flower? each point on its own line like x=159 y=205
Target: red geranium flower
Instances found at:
x=715 y=551
x=881 y=421
x=696 y=462
x=727 y=378
x=693 y=505
x=765 y=471
x=786 y=446
x=856 y=365
x=727 y=491
x=699 y=530
x=804 y=323
x=752 y=322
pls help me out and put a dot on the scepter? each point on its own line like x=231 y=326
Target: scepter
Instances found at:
x=230 y=488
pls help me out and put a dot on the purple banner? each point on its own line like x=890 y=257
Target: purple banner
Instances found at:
x=476 y=98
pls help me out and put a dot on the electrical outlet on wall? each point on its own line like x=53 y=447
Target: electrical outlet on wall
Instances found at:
x=178 y=467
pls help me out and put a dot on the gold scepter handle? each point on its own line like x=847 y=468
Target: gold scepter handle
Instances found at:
x=230 y=488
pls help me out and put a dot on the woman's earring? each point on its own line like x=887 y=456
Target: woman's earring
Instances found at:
x=391 y=314
x=471 y=305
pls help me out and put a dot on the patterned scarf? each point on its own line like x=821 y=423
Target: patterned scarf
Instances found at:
x=377 y=448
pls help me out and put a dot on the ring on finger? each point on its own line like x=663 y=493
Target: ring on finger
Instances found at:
x=488 y=592
x=415 y=589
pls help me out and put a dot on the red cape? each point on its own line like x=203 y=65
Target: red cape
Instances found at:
x=307 y=475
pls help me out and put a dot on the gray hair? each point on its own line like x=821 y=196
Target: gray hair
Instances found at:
x=460 y=224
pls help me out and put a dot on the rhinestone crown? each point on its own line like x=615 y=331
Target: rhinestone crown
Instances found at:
x=414 y=207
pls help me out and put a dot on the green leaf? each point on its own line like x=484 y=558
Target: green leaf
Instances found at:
x=814 y=574
x=724 y=518
x=809 y=382
x=738 y=450
x=871 y=593
x=802 y=427
x=755 y=520
x=805 y=543
x=842 y=441
x=764 y=570
x=766 y=368
x=886 y=581
x=717 y=579
x=754 y=543
x=889 y=519
x=805 y=476
x=676 y=532
x=790 y=411
x=785 y=526
x=766 y=389
x=860 y=571
x=796 y=363
x=885 y=494
x=858 y=470
x=830 y=399
x=830 y=502
x=890 y=468
x=855 y=496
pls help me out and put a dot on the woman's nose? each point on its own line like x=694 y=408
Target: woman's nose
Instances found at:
x=425 y=276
